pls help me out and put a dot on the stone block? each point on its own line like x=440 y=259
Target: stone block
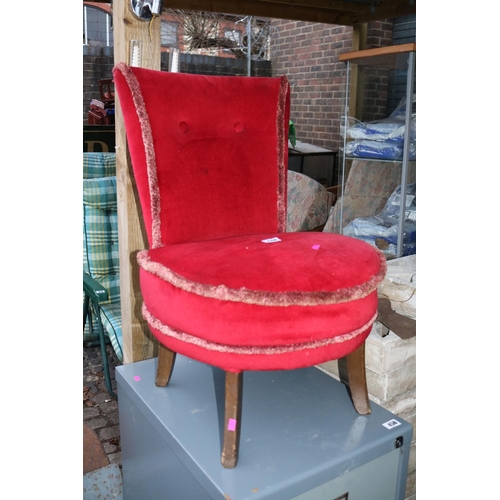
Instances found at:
x=388 y=353
x=383 y=386
x=400 y=285
x=390 y=385
x=411 y=486
x=412 y=464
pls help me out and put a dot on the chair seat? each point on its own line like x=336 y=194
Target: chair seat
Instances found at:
x=254 y=303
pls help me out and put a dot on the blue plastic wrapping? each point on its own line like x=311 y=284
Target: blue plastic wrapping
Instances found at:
x=382 y=139
x=379 y=150
x=381 y=230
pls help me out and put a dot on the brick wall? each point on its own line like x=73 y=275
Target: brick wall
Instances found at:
x=379 y=34
x=376 y=80
x=308 y=54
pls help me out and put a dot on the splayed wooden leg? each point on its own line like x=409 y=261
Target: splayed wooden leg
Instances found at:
x=356 y=375
x=166 y=361
x=232 y=419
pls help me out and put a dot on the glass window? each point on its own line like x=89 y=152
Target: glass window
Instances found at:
x=97 y=28
x=168 y=33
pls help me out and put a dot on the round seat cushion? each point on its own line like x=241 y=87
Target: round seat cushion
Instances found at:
x=262 y=302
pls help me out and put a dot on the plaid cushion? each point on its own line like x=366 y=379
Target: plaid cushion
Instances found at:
x=99 y=165
x=100 y=240
x=100 y=193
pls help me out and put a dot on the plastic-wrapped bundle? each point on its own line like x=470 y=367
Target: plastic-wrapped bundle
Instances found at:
x=382 y=230
x=388 y=130
x=379 y=150
x=382 y=139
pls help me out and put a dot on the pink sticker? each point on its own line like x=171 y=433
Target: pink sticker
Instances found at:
x=137 y=378
x=231 y=425
x=315 y=247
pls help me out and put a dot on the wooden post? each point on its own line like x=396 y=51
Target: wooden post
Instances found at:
x=359 y=33
x=138 y=343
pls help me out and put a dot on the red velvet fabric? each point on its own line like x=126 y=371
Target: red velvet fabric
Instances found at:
x=238 y=362
x=308 y=296
x=210 y=157
x=212 y=148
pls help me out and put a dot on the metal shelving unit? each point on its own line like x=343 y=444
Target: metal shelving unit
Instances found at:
x=395 y=57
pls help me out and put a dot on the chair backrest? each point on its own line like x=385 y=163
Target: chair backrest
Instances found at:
x=209 y=159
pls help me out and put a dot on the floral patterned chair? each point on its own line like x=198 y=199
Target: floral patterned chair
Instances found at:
x=308 y=203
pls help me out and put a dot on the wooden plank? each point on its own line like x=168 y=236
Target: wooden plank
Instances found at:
x=138 y=343
x=392 y=57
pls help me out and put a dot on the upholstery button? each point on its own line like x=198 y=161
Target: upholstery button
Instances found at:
x=183 y=127
x=238 y=127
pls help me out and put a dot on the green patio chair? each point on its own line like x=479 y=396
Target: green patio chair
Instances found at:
x=102 y=321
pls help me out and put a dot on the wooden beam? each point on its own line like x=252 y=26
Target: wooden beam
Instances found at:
x=359 y=36
x=339 y=12
x=346 y=6
x=138 y=343
x=390 y=57
x=382 y=7
x=387 y=9
x=347 y=13
x=270 y=9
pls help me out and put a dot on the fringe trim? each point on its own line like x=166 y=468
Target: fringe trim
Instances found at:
x=263 y=298
x=281 y=132
x=147 y=138
x=248 y=350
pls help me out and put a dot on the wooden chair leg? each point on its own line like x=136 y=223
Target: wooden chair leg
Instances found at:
x=232 y=419
x=166 y=361
x=356 y=375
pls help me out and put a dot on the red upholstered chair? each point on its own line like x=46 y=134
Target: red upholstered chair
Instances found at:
x=222 y=281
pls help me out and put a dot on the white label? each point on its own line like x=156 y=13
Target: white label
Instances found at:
x=391 y=423
x=271 y=240
x=411 y=214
